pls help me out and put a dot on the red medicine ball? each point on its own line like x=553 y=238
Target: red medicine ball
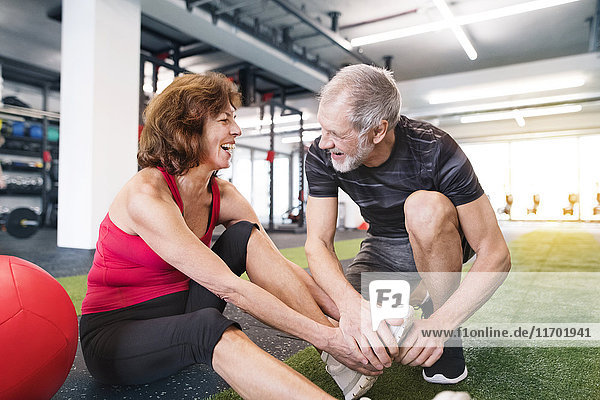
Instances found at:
x=38 y=331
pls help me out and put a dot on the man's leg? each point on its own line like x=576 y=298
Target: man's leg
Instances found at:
x=433 y=231
x=434 y=234
x=382 y=258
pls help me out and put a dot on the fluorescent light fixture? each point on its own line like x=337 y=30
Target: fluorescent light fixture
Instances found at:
x=507 y=89
x=306 y=137
x=255 y=122
x=522 y=103
x=399 y=33
x=519 y=115
x=456 y=29
x=459 y=20
x=510 y=10
x=296 y=127
x=265 y=129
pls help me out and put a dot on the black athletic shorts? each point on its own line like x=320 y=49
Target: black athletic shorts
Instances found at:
x=380 y=254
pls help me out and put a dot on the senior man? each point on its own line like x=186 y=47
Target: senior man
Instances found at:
x=427 y=213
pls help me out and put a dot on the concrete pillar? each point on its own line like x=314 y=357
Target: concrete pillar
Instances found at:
x=99 y=112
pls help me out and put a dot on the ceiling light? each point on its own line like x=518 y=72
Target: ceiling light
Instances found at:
x=399 y=33
x=519 y=115
x=459 y=20
x=266 y=129
x=529 y=102
x=507 y=89
x=306 y=137
x=511 y=10
x=296 y=127
x=255 y=122
x=456 y=29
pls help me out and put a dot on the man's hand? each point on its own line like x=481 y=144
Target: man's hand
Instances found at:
x=419 y=350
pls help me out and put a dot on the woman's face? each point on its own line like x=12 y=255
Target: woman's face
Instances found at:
x=219 y=138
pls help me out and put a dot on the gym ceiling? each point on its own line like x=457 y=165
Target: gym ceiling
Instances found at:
x=290 y=48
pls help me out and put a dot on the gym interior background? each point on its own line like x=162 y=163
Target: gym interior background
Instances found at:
x=515 y=82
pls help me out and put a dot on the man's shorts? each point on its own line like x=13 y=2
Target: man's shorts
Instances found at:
x=389 y=255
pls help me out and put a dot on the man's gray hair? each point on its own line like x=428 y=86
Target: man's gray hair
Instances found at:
x=371 y=93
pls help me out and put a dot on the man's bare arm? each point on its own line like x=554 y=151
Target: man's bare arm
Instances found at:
x=355 y=317
x=479 y=224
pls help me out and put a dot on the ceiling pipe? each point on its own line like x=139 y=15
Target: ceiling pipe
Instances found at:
x=231 y=39
x=333 y=37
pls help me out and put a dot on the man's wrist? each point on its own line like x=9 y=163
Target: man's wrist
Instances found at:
x=444 y=319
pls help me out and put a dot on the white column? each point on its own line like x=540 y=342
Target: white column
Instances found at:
x=99 y=112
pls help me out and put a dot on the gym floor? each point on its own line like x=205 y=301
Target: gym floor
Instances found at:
x=196 y=382
x=199 y=381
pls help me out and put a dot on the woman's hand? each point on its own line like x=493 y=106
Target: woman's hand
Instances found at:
x=344 y=349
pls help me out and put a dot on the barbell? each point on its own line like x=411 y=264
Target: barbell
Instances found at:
x=21 y=222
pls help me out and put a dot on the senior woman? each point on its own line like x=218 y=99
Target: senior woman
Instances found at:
x=157 y=290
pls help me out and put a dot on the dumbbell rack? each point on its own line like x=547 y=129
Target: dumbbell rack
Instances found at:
x=23 y=163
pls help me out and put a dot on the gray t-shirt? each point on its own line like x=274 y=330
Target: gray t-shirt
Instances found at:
x=423 y=158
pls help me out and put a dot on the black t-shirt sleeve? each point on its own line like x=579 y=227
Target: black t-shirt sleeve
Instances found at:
x=453 y=173
x=322 y=181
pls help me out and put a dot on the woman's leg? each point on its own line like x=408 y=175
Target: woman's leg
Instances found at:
x=137 y=351
x=231 y=248
x=254 y=374
x=143 y=351
x=269 y=269
x=245 y=247
x=323 y=300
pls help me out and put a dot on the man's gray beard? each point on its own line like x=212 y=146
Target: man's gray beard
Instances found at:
x=352 y=162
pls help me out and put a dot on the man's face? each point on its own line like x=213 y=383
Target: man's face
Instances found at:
x=347 y=151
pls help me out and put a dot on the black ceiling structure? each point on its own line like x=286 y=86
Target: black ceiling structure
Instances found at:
x=17 y=71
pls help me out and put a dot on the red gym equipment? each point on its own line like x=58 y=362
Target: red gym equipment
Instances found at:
x=38 y=331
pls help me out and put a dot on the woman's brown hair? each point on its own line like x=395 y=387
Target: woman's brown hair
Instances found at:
x=172 y=134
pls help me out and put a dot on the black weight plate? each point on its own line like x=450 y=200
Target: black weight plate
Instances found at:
x=15 y=225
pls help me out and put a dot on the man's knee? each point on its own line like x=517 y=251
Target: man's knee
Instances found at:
x=428 y=213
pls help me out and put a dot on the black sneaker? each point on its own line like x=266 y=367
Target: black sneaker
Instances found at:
x=449 y=369
x=426 y=307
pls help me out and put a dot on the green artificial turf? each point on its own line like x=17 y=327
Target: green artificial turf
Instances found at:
x=76 y=286
x=499 y=373
x=344 y=249
x=555 y=251
x=495 y=373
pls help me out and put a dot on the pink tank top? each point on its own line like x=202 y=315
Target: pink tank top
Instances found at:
x=126 y=271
